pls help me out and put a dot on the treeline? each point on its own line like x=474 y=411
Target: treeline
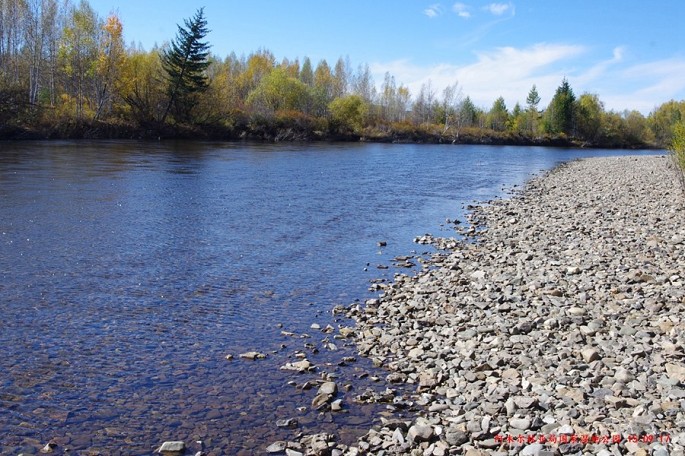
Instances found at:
x=66 y=72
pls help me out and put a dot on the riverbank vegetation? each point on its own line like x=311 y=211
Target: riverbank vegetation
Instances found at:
x=65 y=72
x=678 y=148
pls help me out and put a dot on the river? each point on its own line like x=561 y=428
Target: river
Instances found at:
x=130 y=270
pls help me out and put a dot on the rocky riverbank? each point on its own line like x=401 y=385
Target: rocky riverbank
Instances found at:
x=556 y=327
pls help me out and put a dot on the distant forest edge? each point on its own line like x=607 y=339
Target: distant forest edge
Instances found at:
x=65 y=72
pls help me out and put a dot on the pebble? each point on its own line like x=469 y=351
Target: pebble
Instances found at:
x=287 y=423
x=676 y=372
x=276 y=447
x=320 y=400
x=252 y=355
x=49 y=447
x=420 y=433
x=520 y=423
x=172 y=448
x=329 y=388
x=559 y=311
x=589 y=355
x=299 y=366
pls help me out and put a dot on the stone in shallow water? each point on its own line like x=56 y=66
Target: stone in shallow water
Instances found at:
x=172 y=448
x=252 y=355
x=287 y=423
x=299 y=366
x=328 y=388
x=320 y=400
x=49 y=448
x=276 y=447
x=291 y=452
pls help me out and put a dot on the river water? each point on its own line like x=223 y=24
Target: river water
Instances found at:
x=130 y=270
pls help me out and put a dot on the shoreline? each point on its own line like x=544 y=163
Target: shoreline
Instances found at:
x=560 y=330
x=274 y=134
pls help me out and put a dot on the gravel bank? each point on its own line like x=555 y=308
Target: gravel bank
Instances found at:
x=559 y=330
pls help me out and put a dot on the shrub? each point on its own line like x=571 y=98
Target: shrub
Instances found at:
x=678 y=148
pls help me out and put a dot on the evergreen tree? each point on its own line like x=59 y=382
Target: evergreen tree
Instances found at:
x=468 y=112
x=532 y=102
x=498 y=115
x=533 y=99
x=560 y=111
x=185 y=63
x=307 y=73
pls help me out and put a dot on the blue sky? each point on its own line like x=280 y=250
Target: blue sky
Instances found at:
x=630 y=53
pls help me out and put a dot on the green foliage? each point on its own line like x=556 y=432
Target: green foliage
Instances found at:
x=14 y=108
x=185 y=63
x=278 y=91
x=498 y=115
x=636 y=130
x=663 y=120
x=348 y=113
x=468 y=112
x=517 y=120
x=77 y=55
x=589 y=112
x=677 y=145
x=533 y=99
x=559 y=114
x=307 y=73
x=140 y=88
x=65 y=66
x=530 y=121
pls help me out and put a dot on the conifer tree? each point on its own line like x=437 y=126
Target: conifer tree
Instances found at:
x=560 y=111
x=533 y=99
x=185 y=63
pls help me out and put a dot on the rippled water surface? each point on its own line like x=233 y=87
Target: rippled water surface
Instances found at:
x=130 y=270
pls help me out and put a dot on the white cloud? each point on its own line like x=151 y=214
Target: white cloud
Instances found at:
x=508 y=72
x=498 y=9
x=646 y=85
x=462 y=10
x=598 y=70
x=433 y=11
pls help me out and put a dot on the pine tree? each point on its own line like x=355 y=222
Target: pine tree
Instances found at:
x=560 y=111
x=532 y=102
x=185 y=63
x=468 y=112
x=533 y=99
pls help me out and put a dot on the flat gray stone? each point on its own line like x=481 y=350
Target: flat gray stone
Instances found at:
x=522 y=424
x=172 y=447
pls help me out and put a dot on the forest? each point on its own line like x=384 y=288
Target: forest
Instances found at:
x=65 y=72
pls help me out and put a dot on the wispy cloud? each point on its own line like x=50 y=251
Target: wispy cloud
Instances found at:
x=433 y=10
x=499 y=9
x=598 y=70
x=510 y=72
x=462 y=10
x=646 y=85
